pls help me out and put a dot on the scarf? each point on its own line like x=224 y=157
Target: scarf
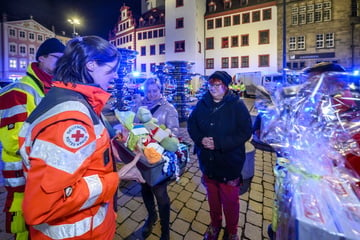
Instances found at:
x=43 y=76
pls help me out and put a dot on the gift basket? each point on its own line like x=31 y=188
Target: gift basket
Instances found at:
x=151 y=153
x=314 y=127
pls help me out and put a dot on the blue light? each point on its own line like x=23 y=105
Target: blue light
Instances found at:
x=135 y=73
x=356 y=72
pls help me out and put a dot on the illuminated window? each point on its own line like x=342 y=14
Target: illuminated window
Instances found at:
x=23 y=64
x=12 y=63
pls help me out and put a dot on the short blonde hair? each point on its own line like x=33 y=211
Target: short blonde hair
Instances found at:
x=152 y=81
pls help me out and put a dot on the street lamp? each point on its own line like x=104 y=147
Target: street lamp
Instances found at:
x=74 y=21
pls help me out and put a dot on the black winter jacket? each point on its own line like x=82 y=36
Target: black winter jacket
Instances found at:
x=229 y=123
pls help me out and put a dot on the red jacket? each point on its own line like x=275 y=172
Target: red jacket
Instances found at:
x=70 y=180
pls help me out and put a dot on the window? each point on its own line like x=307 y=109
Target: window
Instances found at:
x=23 y=64
x=256 y=16
x=12 y=63
x=245 y=61
x=22 y=50
x=264 y=61
x=143 y=67
x=12 y=48
x=22 y=34
x=199 y=47
x=227 y=21
x=319 y=41
x=264 y=37
x=180 y=46
x=179 y=3
x=310 y=17
x=225 y=62
x=180 y=23
x=292 y=43
x=246 y=18
x=150 y=34
x=31 y=50
x=31 y=36
x=12 y=33
x=212 y=7
x=152 y=67
x=162 y=49
x=302 y=18
x=301 y=42
x=234 y=62
x=218 y=22
x=155 y=33
x=152 y=50
x=209 y=43
x=209 y=63
x=161 y=32
x=143 y=51
x=234 y=41
x=329 y=40
x=224 y=42
x=236 y=19
x=144 y=35
x=266 y=14
x=210 y=24
x=227 y=4
x=245 y=40
x=327 y=11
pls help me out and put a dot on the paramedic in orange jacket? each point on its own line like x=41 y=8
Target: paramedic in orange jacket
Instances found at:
x=70 y=180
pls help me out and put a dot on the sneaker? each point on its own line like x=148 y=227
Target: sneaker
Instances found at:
x=212 y=233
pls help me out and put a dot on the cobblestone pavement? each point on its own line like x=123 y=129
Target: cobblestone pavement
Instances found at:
x=189 y=208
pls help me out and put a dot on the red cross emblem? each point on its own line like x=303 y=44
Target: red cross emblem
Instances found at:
x=75 y=136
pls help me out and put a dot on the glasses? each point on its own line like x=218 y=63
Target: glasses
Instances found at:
x=55 y=56
x=217 y=85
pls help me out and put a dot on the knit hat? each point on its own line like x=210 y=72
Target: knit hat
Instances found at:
x=223 y=76
x=51 y=45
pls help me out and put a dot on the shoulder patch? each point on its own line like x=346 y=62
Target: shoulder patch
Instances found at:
x=75 y=136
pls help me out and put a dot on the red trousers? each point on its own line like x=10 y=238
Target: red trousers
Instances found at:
x=223 y=197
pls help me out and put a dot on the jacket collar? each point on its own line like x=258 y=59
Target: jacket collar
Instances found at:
x=95 y=96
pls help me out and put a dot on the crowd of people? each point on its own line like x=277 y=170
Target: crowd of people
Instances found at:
x=59 y=171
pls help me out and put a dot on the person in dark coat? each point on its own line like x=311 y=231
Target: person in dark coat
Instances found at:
x=219 y=125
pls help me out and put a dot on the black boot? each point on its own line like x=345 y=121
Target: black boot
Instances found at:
x=148 y=225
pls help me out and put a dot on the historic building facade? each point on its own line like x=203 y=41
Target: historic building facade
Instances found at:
x=19 y=43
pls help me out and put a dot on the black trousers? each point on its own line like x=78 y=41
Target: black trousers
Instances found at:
x=163 y=201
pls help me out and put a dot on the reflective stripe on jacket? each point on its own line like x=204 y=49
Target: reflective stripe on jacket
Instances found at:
x=68 y=166
x=18 y=100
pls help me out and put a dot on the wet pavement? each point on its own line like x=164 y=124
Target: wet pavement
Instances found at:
x=189 y=207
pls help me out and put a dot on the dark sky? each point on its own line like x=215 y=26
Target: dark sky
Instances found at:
x=97 y=17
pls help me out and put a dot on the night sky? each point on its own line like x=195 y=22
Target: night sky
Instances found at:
x=97 y=17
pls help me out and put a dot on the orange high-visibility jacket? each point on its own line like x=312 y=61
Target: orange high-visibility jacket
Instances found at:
x=70 y=180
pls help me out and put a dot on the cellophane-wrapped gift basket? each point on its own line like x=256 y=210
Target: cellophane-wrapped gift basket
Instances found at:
x=314 y=127
x=158 y=153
